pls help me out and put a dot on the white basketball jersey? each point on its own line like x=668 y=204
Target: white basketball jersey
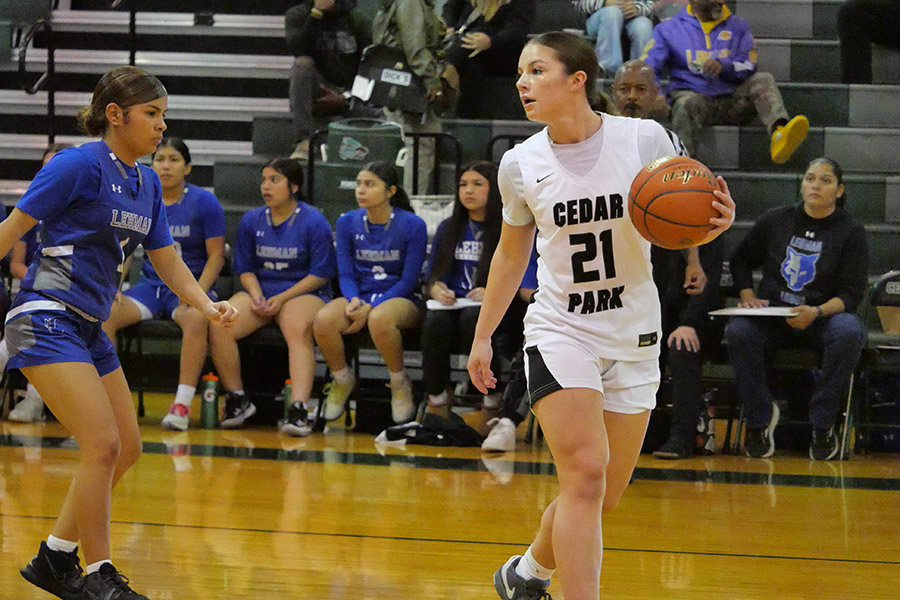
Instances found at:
x=594 y=273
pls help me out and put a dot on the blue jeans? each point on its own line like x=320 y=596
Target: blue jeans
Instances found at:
x=606 y=25
x=840 y=339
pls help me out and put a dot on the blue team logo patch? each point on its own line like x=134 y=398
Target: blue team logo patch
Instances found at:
x=352 y=149
x=798 y=269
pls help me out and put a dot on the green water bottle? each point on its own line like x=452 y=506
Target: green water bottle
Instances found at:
x=209 y=408
x=286 y=397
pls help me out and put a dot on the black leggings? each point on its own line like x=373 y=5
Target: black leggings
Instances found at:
x=862 y=23
x=446 y=332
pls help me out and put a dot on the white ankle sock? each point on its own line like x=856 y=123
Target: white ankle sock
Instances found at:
x=185 y=394
x=528 y=568
x=54 y=543
x=398 y=378
x=343 y=377
x=439 y=400
x=492 y=400
x=94 y=567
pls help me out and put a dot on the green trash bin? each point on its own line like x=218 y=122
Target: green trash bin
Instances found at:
x=23 y=13
x=334 y=190
x=361 y=140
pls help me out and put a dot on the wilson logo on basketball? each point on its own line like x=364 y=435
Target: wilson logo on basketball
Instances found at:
x=656 y=163
x=686 y=175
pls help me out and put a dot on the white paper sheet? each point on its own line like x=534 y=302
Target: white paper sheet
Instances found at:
x=766 y=311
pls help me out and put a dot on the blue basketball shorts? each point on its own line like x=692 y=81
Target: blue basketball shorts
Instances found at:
x=157 y=301
x=42 y=331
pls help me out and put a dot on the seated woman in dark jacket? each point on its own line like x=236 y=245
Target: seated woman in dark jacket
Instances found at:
x=485 y=39
x=813 y=258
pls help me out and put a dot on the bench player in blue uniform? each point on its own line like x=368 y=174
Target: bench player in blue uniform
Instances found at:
x=97 y=204
x=31 y=407
x=381 y=250
x=197 y=224
x=284 y=255
x=458 y=267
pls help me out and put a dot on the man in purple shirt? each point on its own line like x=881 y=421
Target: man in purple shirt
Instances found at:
x=711 y=58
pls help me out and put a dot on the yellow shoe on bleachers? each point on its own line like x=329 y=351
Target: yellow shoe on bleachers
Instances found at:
x=787 y=138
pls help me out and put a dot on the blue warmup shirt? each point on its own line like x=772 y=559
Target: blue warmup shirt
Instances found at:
x=460 y=277
x=529 y=280
x=194 y=219
x=95 y=211
x=379 y=262
x=32 y=239
x=282 y=255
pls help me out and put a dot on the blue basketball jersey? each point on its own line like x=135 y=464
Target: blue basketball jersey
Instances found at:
x=379 y=262
x=282 y=255
x=460 y=277
x=194 y=219
x=95 y=211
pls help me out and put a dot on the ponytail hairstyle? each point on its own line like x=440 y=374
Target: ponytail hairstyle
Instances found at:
x=178 y=145
x=388 y=174
x=124 y=86
x=456 y=225
x=576 y=54
x=603 y=103
x=838 y=174
x=292 y=170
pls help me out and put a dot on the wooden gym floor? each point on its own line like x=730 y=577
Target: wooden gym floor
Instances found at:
x=250 y=514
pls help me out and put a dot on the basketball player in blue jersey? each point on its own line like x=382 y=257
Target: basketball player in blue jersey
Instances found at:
x=381 y=250
x=284 y=255
x=592 y=331
x=461 y=254
x=97 y=204
x=31 y=407
x=197 y=224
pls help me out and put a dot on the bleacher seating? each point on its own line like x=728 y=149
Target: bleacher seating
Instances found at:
x=225 y=65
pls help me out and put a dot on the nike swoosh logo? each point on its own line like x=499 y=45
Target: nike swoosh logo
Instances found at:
x=544 y=177
x=509 y=591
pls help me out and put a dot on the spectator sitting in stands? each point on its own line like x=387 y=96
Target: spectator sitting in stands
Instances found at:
x=413 y=26
x=461 y=255
x=862 y=23
x=327 y=38
x=197 y=223
x=685 y=303
x=813 y=257
x=380 y=253
x=284 y=256
x=31 y=407
x=605 y=21
x=635 y=93
x=711 y=58
x=514 y=404
x=485 y=39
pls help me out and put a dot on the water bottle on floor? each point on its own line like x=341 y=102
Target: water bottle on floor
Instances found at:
x=209 y=408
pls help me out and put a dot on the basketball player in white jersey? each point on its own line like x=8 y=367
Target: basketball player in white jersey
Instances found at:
x=592 y=332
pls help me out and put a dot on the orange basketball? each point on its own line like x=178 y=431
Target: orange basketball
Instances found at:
x=671 y=200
